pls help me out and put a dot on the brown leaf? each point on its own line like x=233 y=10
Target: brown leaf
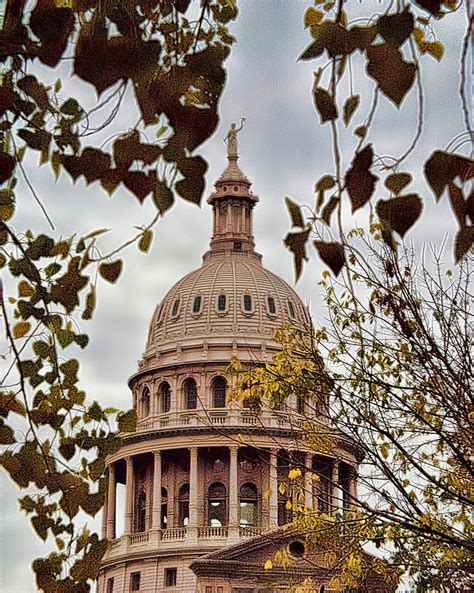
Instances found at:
x=360 y=182
x=296 y=243
x=7 y=164
x=396 y=182
x=470 y=206
x=335 y=39
x=128 y=148
x=394 y=76
x=139 y=183
x=400 y=213
x=37 y=140
x=396 y=28
x=443 y=167
x=111 y=271
x=458 y=203
x=432 y=6
x=349 y=108
x=295 y=213
x=162 y=196
x=332 y=255
x=66 y=289
x=92 y=163
x=52 y=25
x=329 y=209
x=192 y=186
x=324 y=104
x=464 y=242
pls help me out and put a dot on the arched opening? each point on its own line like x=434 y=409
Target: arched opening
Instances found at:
x=140 y=520
x=300 y=404
x=248 y=505
x=190 y=394
x=165 y=397
x=221 y=303
x=164 y=508
x=271 y=305
x=219 y=387
x=183 y=505
x=216 y=506
x=285 y=508
x=145 y=402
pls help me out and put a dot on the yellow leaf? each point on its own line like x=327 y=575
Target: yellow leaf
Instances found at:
x=282 y=488
x=288 y=505
x=294 y=473
x=435 y=49
x=312 y=17
x=21 y=328
x=268 y=565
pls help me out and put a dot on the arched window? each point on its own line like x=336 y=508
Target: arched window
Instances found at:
x=175 y=309
x=216 y=509
x=247 y=303
x=219 y=386
x=285 y=508
x=221 y=303
x=271 y=305
x=165 y=397
x=146 y=402
x=197 y=304
x=190 y=394
x=164 y=508
x=140 y=521
x=300 y=404
x=248 y=505
x=291 y=310
x=183 y=505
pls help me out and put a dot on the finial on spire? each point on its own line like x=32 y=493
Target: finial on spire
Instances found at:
x=231 y=140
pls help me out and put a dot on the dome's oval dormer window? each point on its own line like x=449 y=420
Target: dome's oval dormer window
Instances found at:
x=175 y=308
x=271 y=306
x=197 y=305
x=247 y=303
x=291 y=310
x=222 y=303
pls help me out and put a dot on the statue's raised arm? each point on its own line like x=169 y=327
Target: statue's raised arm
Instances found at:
x=231 y=138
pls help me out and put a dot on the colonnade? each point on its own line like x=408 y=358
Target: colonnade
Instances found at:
x=109 y=517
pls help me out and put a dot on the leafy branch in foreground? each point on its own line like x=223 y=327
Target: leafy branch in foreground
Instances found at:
x=161 y=60
x=393 y=46
x=399 y=374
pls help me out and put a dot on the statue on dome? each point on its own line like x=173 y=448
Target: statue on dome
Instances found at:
x=231 y=138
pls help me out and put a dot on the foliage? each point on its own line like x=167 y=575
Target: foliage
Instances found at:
x=398 y=367
x=169 y=54
x=393 y=46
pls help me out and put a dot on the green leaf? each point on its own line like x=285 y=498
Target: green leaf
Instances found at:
x=111 y=271
x=435 y=49
x=325 y=105
x=400 y=213
x=295 y=213
x=396 y=182
x=349 y=108
x=332 y=255
x=144 y=243
x=296 y=243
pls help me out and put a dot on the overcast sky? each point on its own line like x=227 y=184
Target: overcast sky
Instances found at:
x=283 y=151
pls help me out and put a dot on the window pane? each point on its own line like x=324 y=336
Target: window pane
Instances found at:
x=175 y=309
x=221 y=302
x=219 y=389
x=197 y=304
x=248 y=514
x=170 y=577
x=247 y=302
x=291 y=309
x=271 y=306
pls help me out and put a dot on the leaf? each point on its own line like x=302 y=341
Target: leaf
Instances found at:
x=325 y=182
x=21 y=328
x=443 y=167
x=396 y=182
x=349 y=108
x=7 y=204
x=52 y=25
x=127 y=421
x=162 y=197
x=128 y=148
x=396 y=28
x=359 y=181
x=111 y=271
x=400 y=213
x=470 y=206
x=432 y=6
x=90 y=304
x=37 y=140
x=66 y=289
x=329 y=209
x=139 y=183
x=464 y=242
x=295 y=213
x=332 y=255
x=296 y=243
x=435 y=49
x=145 y=241
x=268 y=565
x=312 y=17
x=92 y=163
x=458 y=203
x=361 y=131
x=394 y=76
x=192 y=186
x=325 y=105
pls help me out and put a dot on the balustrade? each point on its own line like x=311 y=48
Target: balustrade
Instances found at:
x=249 y=531
x=173 y=533
x=212 y=532
x=139 y=538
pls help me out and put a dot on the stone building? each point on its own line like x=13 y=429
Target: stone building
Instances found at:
x=200 y=476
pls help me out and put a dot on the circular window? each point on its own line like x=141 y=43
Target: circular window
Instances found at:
x=297 y=549
x=236 y=188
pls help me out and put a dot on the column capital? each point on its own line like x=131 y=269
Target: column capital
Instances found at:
x=234 y=448
x=157 y=453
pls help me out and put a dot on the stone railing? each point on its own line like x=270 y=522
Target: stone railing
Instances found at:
x=221 y=418
x=173 y=533
x=137 y=539
x=212 y=532
x=249 y=531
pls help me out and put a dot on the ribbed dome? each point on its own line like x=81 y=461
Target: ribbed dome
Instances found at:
x=214 y=301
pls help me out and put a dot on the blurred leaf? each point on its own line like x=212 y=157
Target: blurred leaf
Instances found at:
x=458 y=203
x=295 y=213
x=435 y=49
x=21 y=328
x=443 y=167
x=162 y=197
x=145 y=240
x=464 y=242
x=329 y=209
x=127 y=421
x=361 y=131
x=90 y=304
x=332 y=255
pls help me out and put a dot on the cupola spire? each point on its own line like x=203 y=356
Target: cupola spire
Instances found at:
x=232 y=203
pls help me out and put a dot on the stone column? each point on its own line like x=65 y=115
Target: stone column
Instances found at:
x=156 y=512
x=308 y=482
x=129 y=495
x=110 y=504
x=352 y=488
x=334 y=487
x=193 y=495
x=233 y=494
x=273 y=488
